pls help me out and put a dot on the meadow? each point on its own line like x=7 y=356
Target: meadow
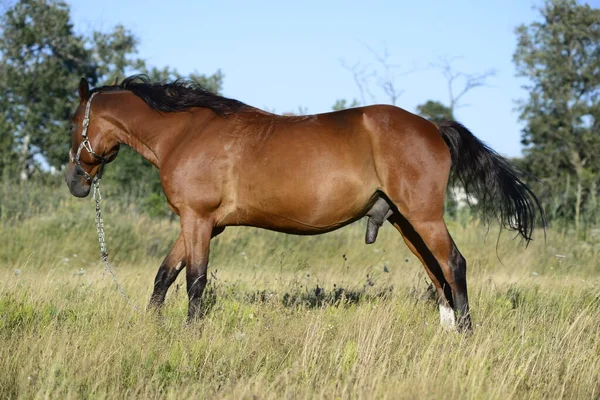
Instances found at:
x=286 y=316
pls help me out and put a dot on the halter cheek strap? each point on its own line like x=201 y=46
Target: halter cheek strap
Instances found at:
x=87 y=145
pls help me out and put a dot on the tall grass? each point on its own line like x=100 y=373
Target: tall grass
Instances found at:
x=293 y=317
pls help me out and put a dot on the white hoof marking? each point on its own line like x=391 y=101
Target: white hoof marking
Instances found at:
x=447 y=318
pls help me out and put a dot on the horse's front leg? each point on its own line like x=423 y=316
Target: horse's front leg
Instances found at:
x=167 y=273
x=196 y=233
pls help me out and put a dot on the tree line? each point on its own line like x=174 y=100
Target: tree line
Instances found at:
x=42 y=58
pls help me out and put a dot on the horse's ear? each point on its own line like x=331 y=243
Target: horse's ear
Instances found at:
x=84 y=90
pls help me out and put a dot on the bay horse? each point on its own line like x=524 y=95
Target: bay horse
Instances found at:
x=224 y=163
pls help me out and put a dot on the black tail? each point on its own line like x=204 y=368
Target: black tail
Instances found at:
x=492 y=180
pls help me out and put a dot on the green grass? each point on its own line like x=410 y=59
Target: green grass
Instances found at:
x=291 y=317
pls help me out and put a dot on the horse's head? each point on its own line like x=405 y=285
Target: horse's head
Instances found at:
x=92 y=144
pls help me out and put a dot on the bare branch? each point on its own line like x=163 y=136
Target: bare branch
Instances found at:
x=387 y=81
x=382 y=58
x=389 y=89
x=470 y=81
x=361 y=77
x=384 y=75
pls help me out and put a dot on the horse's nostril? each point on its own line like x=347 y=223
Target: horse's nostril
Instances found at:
x=78 y=186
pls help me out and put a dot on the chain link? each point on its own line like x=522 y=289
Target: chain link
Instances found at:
x=102 y=241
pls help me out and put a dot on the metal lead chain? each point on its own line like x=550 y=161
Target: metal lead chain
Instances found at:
x=102 y=241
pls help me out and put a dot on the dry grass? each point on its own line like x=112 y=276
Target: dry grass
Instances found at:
x=270 y=333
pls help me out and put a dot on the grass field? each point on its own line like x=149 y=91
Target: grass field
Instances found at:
x=290 y=317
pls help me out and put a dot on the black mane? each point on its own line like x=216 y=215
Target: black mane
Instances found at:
x=176 y=96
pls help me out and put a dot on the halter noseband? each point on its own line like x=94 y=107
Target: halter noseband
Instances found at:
x=87 y=145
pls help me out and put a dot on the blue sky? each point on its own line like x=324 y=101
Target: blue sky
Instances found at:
x=283 y=55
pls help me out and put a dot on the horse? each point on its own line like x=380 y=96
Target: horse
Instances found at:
x=224 y=163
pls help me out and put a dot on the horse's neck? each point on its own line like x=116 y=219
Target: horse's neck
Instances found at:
x=140 y=142
x=130 y=116
x=150 y=133
x=141 y=128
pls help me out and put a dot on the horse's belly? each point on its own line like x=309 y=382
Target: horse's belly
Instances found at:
x=307 y=206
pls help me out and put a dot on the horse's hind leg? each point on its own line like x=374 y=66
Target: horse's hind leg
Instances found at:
x=167 y=273
x=446 y=267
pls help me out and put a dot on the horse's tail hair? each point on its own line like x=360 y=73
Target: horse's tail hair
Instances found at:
x=492 y=180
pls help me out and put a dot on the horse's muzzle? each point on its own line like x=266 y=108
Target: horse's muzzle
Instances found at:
x=76 y=181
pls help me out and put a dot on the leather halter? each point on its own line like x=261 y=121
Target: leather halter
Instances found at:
x=87 y=145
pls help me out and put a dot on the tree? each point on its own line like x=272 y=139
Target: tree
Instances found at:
x=342 y=104
x=459 y=84
x=8 y=156
x=560 y=56
x=41 y=61
x=114 y=55
x=456 y=92
x=435 y=111
x=212 y=83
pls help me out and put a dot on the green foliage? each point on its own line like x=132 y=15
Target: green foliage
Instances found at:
x=8 y=156
x=155 y=205
x=435 y=111
x=342 y=104
x=114 y=55
x=22 y=199
x=42 y=59
x=42 y=62
x=131 y=173
x=212 y=83
x=560 y=55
